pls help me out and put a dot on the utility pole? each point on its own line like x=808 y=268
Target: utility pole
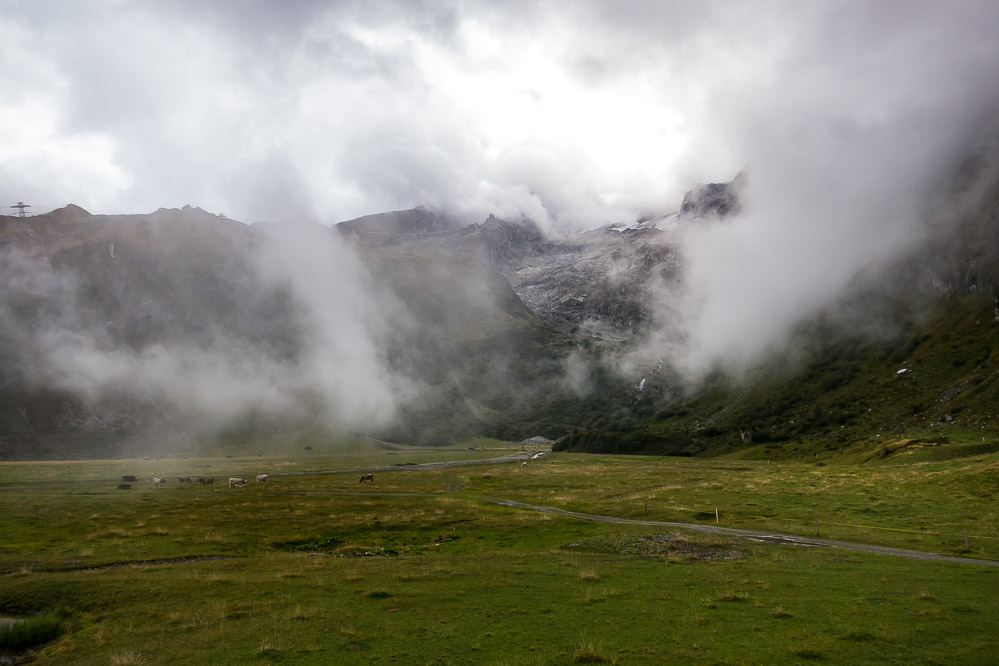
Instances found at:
x=20 y=208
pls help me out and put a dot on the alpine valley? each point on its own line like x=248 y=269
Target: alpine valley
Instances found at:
x=180 y=329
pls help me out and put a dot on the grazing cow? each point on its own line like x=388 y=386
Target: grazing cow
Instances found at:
x=261 y=478
x=367 y=477
x=124 y=486
x=128 y=478
x=207 y=480
x=158 y=481
x=523 y=464
x=236 y=483
x=183 y=479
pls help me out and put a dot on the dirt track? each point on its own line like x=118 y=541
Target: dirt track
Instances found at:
x=753 y=535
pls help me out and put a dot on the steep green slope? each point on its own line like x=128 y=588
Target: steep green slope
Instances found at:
x=934 y=381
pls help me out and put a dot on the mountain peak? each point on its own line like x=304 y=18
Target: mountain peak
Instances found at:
x=70 y=213
x=419 y=220
x=713 y=199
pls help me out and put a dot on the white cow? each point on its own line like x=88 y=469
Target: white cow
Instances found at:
x=523 y=464
x=157 y=481
x=236 y=483
x=261 y=478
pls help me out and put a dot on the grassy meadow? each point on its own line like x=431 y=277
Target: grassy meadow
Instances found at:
x=415 y=568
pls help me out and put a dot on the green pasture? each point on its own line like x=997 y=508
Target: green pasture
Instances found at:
x=417 y=569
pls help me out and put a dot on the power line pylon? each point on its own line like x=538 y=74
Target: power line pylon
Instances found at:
x=20 y=208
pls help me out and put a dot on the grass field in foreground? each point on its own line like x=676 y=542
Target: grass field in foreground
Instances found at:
x=438 y=576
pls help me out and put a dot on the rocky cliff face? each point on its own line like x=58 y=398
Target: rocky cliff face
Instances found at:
x=597 y=284
x=713 y=200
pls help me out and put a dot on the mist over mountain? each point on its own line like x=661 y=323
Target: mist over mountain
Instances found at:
x=489 y=219
x=164 y=332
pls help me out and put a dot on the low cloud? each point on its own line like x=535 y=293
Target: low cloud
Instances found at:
x=300 y=333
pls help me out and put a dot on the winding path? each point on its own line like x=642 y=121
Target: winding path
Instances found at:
x=754 y=535
x=765 y=536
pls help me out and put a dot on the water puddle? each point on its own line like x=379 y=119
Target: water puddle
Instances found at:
x=7 y=619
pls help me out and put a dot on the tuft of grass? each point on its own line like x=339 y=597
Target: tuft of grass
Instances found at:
x=306 y=612
x=780 y=611
x=126 y=659
x=379 y=594
x=589 y=575
x=588 y=654
x=732 y=595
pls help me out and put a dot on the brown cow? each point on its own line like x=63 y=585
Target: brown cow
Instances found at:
x=367 y=477
x=207 y=480
x=128 y=478
x=183 y=479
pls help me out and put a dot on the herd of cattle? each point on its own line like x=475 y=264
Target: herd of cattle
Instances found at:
x=129 y=479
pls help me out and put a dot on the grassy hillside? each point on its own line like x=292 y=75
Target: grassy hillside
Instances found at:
x=934 y=382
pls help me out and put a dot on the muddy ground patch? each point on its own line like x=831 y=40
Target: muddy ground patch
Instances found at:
x=671 y=545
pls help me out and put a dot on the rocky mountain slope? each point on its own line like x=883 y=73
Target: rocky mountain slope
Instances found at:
x=595 y=284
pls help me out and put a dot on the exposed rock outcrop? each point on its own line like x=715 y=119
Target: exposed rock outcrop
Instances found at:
x=713 y=200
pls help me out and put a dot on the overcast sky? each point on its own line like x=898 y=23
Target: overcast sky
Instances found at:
x=576 y=113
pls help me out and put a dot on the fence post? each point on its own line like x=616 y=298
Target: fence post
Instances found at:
x=967 y=546
x=816 y=527
x=716 y=515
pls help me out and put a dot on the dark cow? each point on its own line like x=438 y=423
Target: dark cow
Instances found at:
x=183 y=479
x=207 y=480
x=128 y=478
x=367 y=477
